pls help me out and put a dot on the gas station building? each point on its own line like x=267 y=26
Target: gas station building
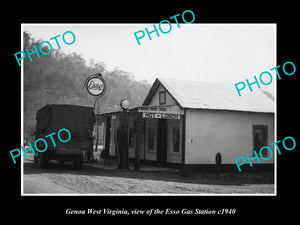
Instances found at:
x=184 y=124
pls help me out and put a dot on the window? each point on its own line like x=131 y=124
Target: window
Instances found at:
x=150 y=139
x=131 y=138
x=260 y=137
x=162 y=97
x=175 y=139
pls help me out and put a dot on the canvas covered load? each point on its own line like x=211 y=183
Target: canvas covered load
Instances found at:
x=79 y=120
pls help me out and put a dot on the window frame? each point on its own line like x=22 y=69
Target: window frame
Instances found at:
x=265 y=128
x=131 y=137
x=147 y=138
x=177 y=127
x=162 y=97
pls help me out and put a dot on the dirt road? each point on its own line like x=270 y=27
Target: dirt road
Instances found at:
x=58 y=179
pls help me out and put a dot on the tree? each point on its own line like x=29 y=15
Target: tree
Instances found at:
x=58 y=78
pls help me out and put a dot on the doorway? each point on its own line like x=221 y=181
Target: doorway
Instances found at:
x=162 y=140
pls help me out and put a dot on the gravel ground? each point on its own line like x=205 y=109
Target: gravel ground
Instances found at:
x=57 y=179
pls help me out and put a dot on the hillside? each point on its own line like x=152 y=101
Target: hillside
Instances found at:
x=59 y=78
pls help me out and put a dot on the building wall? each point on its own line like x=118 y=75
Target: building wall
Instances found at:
x=131 y=153
x=139 y=140
x=230 y=133
x=155 y=99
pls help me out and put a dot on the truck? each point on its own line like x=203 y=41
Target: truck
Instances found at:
x=79 y=120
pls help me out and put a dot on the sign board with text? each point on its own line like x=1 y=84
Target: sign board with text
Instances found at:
x=161 y=116
x=170 y=109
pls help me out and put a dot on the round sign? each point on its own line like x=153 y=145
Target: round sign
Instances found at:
x=95 y=85
x=124 y=104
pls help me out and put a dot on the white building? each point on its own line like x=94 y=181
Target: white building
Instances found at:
x=186 y=123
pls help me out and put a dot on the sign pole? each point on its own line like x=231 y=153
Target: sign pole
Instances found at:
x=97 y=129
x=96 y=86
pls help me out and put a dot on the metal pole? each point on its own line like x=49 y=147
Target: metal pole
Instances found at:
x=97 y=131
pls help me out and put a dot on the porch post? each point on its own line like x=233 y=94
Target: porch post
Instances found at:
x=137 y=130
x=183 y=139
x=122 y=141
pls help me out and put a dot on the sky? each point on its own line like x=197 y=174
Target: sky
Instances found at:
x=224 y=53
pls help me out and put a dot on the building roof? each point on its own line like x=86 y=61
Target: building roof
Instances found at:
x=216 y=96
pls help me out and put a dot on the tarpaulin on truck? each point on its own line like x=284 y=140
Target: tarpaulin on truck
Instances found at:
x=79 y=120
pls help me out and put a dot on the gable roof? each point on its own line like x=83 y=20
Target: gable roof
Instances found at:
x=205 y=95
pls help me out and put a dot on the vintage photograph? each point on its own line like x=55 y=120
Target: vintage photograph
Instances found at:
x=174 y=110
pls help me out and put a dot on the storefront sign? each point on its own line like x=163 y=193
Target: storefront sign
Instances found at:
x=161 y=116
x=171 y=109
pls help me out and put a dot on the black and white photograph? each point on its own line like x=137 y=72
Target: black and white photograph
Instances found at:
x=137 y=112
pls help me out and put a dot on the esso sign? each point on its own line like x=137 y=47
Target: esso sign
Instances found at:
x=124 y=104
x=95 y=85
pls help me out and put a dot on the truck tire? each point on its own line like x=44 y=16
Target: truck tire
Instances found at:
x=43 y=160
x=78 y=162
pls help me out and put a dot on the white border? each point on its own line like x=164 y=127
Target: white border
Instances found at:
x=142 y=194
x=22 y=111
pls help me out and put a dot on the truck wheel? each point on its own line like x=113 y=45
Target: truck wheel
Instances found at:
x=43 y=160
x=78 y=162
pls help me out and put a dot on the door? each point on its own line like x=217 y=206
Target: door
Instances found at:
x=162 y=140
x=107 y=137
